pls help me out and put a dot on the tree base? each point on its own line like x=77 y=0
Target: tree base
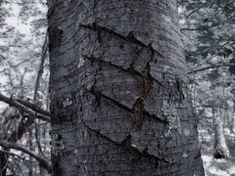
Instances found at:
x=221 y=154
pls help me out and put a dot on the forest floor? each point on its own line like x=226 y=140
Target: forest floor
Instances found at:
x=217 y=167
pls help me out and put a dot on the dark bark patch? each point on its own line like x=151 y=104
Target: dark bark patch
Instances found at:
x=138 y=115
x=179 y=89
x=131 y=37
x=146 y=82
x=57 y=170
x=55 y=35
x=156 y=163
x=147 y=79
x=136 y=54
x=127 y=141
x=59 y=137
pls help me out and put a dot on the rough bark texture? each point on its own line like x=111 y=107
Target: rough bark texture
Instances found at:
x=119 y=98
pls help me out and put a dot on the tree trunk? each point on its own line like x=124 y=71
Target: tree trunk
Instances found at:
x=231 y=126
x=220 y=147
x=232 y=118
x=119 y=98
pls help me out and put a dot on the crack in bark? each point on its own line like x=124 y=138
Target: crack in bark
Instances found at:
x=179 y=89
x=145 y=113
x=147 y=81
x=131 y=37
x=130 y=71
x=127 y=146
x=99 y=60
x=137 y=52
x=146 y=84
x=145 y=78
x=138 y=115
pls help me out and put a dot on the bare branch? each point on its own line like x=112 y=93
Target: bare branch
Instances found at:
x=209 y=67
x=5 y=32
x=43 y=162
x=26 y=107
x=12 y=154
x=34 y=107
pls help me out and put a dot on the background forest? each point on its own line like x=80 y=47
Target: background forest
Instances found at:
x=208 y=32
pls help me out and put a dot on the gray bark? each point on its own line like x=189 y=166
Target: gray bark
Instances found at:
x=119 y=98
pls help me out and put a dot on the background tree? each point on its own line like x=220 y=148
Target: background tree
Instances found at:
x=209 y=37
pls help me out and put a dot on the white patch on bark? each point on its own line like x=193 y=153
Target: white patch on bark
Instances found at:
x=136 y=141
x=166 y=18
x=76 y=151
x=133 y=145
x=81 y=62
x=170 y=113
x=186 y=132
x=185 y=155
x=67 y=102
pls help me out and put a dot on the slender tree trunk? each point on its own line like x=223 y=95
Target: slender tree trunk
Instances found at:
x=119 y=98
x=36 y=97
x=220 y=147
x=232 y=122
x=232 y=118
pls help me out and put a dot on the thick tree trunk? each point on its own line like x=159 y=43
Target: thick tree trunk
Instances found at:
x=119 y=98
x=221 y=149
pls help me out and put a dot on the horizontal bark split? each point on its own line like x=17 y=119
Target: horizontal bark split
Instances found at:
x=130 y=71
x=126 y=145
x=131 y=38
x=96 y=94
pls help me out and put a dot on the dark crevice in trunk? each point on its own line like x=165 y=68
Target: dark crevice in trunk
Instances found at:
x=131 y=37
x=138 y=115
x=126 y=145
x=115 y=102
x=145 y=79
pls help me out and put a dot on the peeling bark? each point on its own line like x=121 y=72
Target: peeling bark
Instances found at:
x=118 y=86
